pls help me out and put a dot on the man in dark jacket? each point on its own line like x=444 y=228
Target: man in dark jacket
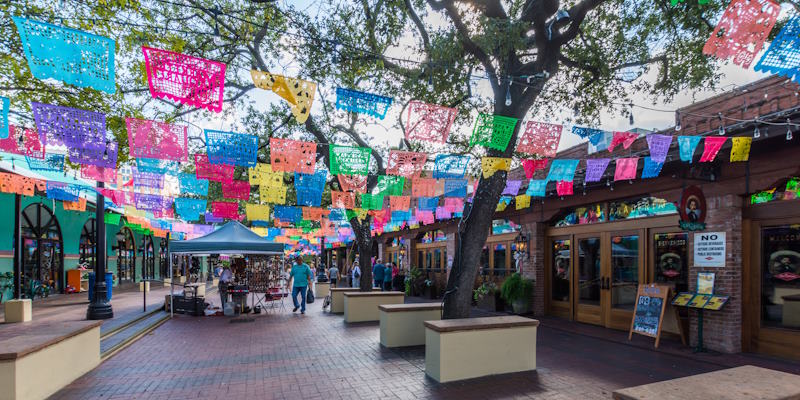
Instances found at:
x=377 y=274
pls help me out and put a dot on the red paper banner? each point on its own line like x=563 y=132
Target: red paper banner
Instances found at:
x=564 y=188
x=236 y=190
x=225 y=209
x=425 y=217
x=625 y=139
x=314 y=213
x=429 y=122
x=711 y=146
x=423 y=187
x=153 y=139
x=742 y=30
x=31 y=144
x=540 y=138
x=626 y=168
x=345 y=200
x=531 y=166
x=353 y=183
x=400 y=203
x=194 y=81
x=406 y=163
x=213 y=172
x=288 y=155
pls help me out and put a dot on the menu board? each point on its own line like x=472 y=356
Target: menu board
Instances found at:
x=682 y=299
x=700 y=300
x=651 y=300
x=716 y=302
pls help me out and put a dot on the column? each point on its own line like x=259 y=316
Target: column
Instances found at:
x=99 y=308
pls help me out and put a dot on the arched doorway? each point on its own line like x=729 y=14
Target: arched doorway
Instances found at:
x=163 y=260
x=87 y=247
x=43 y=257
x=126 y=256
x=149 y=258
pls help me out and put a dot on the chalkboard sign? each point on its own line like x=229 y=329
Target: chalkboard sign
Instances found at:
x=651 y=301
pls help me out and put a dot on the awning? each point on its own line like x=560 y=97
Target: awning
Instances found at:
x=231 y=238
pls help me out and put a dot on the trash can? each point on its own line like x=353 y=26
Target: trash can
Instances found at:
x=109 y=285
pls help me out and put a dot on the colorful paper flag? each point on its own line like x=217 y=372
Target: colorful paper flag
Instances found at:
x=23 y=141
x=651 y=168
x=450 y=166
x=742 y=30
x=288 y=155
x=687 y=146
x=225 y=209
x=160 y=140
x=491 y=165
x=562 y=170
x=537 y=188
x=595 y=168
x=531 y=166
x=741 y=148
x=193 y=81
x=362 y=103
x=423 y=187
x=5 y=105
x=212 y=172
x=82 y=132
x=783 y=54
x=234 y=189
x=371 y=201
x=585 y=132
x=625 y=139
x=190 y=209
x=349 y=160
x=564 y=188
x=406 y=163
x=231 y=148
x=190 y=184
x=711 y=146
x=626 y=168
x=493 y=131
x=353 y=183
x=659 y=146
x=391 y=185
x=540 y=138
x=298 y=92
x=455 y=188
x=522 y=201
x=343 y=199
x=272 y=194
x=428 y=122
x=512 y=187
x=399 y=203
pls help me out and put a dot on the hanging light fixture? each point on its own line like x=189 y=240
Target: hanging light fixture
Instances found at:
x=508 y=92
x=756 y=132
x=788 y=130
x=677 y=121
x=721 y=125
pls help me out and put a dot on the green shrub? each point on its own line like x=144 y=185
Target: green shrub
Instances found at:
x=516 y=288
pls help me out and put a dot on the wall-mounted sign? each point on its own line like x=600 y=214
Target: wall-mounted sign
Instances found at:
x=709 y=249
x=692 y=209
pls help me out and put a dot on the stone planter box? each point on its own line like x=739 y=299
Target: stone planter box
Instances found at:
x=457 y=349
x=363 y=306
x=167 y=282
x=322 y=289
x=20 y=310
x=337 y=298
x=144 y=286
x=404 y=324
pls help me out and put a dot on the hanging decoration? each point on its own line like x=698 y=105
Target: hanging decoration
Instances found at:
x=711 y=146
x=111 y=218
x=522 y=201
x=190 y=184
x=213 y=172
x=564 y=188
x=353 y=183
x=79 y=205
x=742 y=30
x=454 y=204
x=659 y=146
x=147 y=179
x=599 y=142
x=357 y=213
x=783 y=54
x=309 y=187
x=625 y=139
x=23 y=141
x=234 y=189
x=651 y=168
x=391 y=185
x=425 y=217
x=450 y=166
x=741 y=148
x=512 y=187
x=343 y=199
x=262 y=174
x=349 y=160
x=531 y=166
x=272 y=194
x=399 y=203
x=99 y=174
x=455 y=188
x=503 y=203
x=362 y=103
x=63 y=191
x=427 y=203
x=210 y=218
x=231 y=148
x=584 y=132
x=309 y=198
x=225 y=209
x=152 y=202
x=562 y=170
x=428 y=122
x=154 y=139
x=371 y=201
x=51 y=163
x=540 y=138
x=256 y=212
x=83 y=132
x=68 y=55
x=314 y=213
x=687 y=146
x=298 y=92
x=118 y=197
x=493 y=131
x=288 y=155
x=190 y=209
x=490 y=165
x=5 y=104
x=443 y=213
x=595 y=168
x=406 y=163
x=188 y=80
x=156 y=166
x=288 y=213
x=21 y=185
x=423 y=187
x=626 y=168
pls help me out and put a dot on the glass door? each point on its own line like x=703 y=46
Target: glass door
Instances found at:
x=626 y=250
x=559 y=276
x=588 y=279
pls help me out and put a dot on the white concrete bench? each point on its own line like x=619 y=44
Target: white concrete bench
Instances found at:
x=18 y=310
x=39 y=359
x=404 y=324
x=321 y=289
x=457 y=349
x=363 y=306
x=337 y=298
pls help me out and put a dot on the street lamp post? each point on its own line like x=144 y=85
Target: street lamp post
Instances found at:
x=99 y=307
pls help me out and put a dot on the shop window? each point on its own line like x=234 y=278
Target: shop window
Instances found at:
x=780 y=286
x=87 y=248
x=501 y=226
x=433 y=236
x=789 y=191
x=42 y=247
x=501 y=264
x=641 y=208
x=484 y=263
x=583 y=215
x=672 y=260
x=625 y=271
x=560 y=274
x=589 y=276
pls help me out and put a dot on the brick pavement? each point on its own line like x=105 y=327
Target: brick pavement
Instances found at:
x=317 y=356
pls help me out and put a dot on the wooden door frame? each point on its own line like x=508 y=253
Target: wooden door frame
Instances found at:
x=588 y=309
x=557 y=308
x=617 y=318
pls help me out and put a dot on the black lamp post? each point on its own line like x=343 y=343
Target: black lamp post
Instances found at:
x=99 y=307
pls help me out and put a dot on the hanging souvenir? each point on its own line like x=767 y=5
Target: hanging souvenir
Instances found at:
x=540 y=138
x=428 y=122
x=490 y=165
x=711 y=146
x=188 y=80
x=298 y=92
x=687 y=146
x=406 y=163
x=742 y=30
x=231 y=148
x=626 y=168
x=493 y=131
x=562 y=170
x=741 y=149
x=363 y=103
x=349 y=160
x=68 y=55
x=595 y=168
x=158 y=140
x=450 y=166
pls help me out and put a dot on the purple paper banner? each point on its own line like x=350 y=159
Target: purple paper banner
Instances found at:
x=82 y=132
x=512 y=188
x=595 y=168
x=659 y=146
x=147 y=179
x=210 y=218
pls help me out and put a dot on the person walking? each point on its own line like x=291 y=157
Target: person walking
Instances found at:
x=387 y=277
x=377 y=274
x=301 y=276
x=333 y=275
x=225 y=278
x=355 y=273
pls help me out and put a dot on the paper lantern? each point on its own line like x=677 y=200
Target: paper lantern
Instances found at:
x=428 y=122
x=188 y=80
x=540 y=138
x=158 y=140
x=493 y=131
x=362 y=103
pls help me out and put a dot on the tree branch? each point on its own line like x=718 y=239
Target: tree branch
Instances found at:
x=577 y=14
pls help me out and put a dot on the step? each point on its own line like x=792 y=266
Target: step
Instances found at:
x=112 y=326
x=121 y=338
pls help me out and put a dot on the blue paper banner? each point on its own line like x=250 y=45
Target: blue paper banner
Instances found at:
x=315 y=181
x=5 y=104
x=191 y=185
x=337 y=215
x=51 y=162
x=537 y=188
x=562 y=170
x=427 y=203
x=309 y=198
x=584 y=132
x=288 y=213
x=156 y=166
x=190 y=209
x=687 y=146
x=63 y=191
x=401 y=216
x=68 y=55
x=231 y=148
x=599 y=142
x=651 y=168
x=455 y=188
x=783 y=55
x=450 y=166
x=363 y=103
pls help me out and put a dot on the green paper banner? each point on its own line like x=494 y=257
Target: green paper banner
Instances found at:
x=112 y=219
x=391 y=185
x=371 y=201
x=493 y=131
x=349 y=160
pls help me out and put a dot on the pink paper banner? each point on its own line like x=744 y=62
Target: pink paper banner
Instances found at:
x=428 y=122
x=153 y=139
x=531 y=166
x=288 y=155
x=213 y=172
x=99 y=174
x=626 y=139
x=595 y=168
x=659 y=146
x=540 y=138
x=425 y=217
x=225 y=209
x=564 y=188
x=711 y=146
x=443 y=213
x=236 y=190
x=31 y=144
x=454 y=204
x=353 y=183
x=626 y=168
x=188 y=80
x=406 y=163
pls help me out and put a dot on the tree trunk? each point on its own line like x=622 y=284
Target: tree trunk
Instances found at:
x=364 y=243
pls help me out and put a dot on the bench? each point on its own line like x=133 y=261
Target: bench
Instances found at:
x=746 y=382
x=38 y=359
x=337 y=298
x=363 y=306
x=457 y=349
x=404 y=324
x=321 y=289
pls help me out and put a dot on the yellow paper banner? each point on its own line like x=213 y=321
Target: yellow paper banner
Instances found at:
x=299 y=93
x=490 y=165
x=501 y=206
x=361 y=213
x=133 y=212
x=272 y=194
x=522 y=201
x=262 y=174
x=741 y=148
x=259 y=230
x=257 y=212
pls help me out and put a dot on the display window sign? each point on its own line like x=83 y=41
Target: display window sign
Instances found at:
x=709 y=249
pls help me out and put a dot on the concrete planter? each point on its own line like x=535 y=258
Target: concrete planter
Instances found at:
x=363 y=306
x=19 y=310
x=404 y=324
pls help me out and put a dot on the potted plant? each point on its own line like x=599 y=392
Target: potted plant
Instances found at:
x=484 y=296
x=518 y=292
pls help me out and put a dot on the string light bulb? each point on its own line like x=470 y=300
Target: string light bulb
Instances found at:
x=431 y=88
x=789 y=130
x=756 y=132
x=677 y=121
x=508 y=93
x=721 y=125
x=630 y=114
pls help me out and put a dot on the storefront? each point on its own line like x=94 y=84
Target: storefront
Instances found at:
x=148 y=257
x=43 y=258
x=126 y=256
x=87 y=248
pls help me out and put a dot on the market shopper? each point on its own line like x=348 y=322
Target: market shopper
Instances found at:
x=355 y=274
x=333 y=275
x=225 y=278
x=387 y=277
x=377 y=274
x=301 y=276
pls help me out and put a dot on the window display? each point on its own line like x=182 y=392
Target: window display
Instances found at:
x=672 y=260
x=780 y=285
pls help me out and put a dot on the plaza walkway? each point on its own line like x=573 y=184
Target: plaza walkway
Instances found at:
x=317 y=356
